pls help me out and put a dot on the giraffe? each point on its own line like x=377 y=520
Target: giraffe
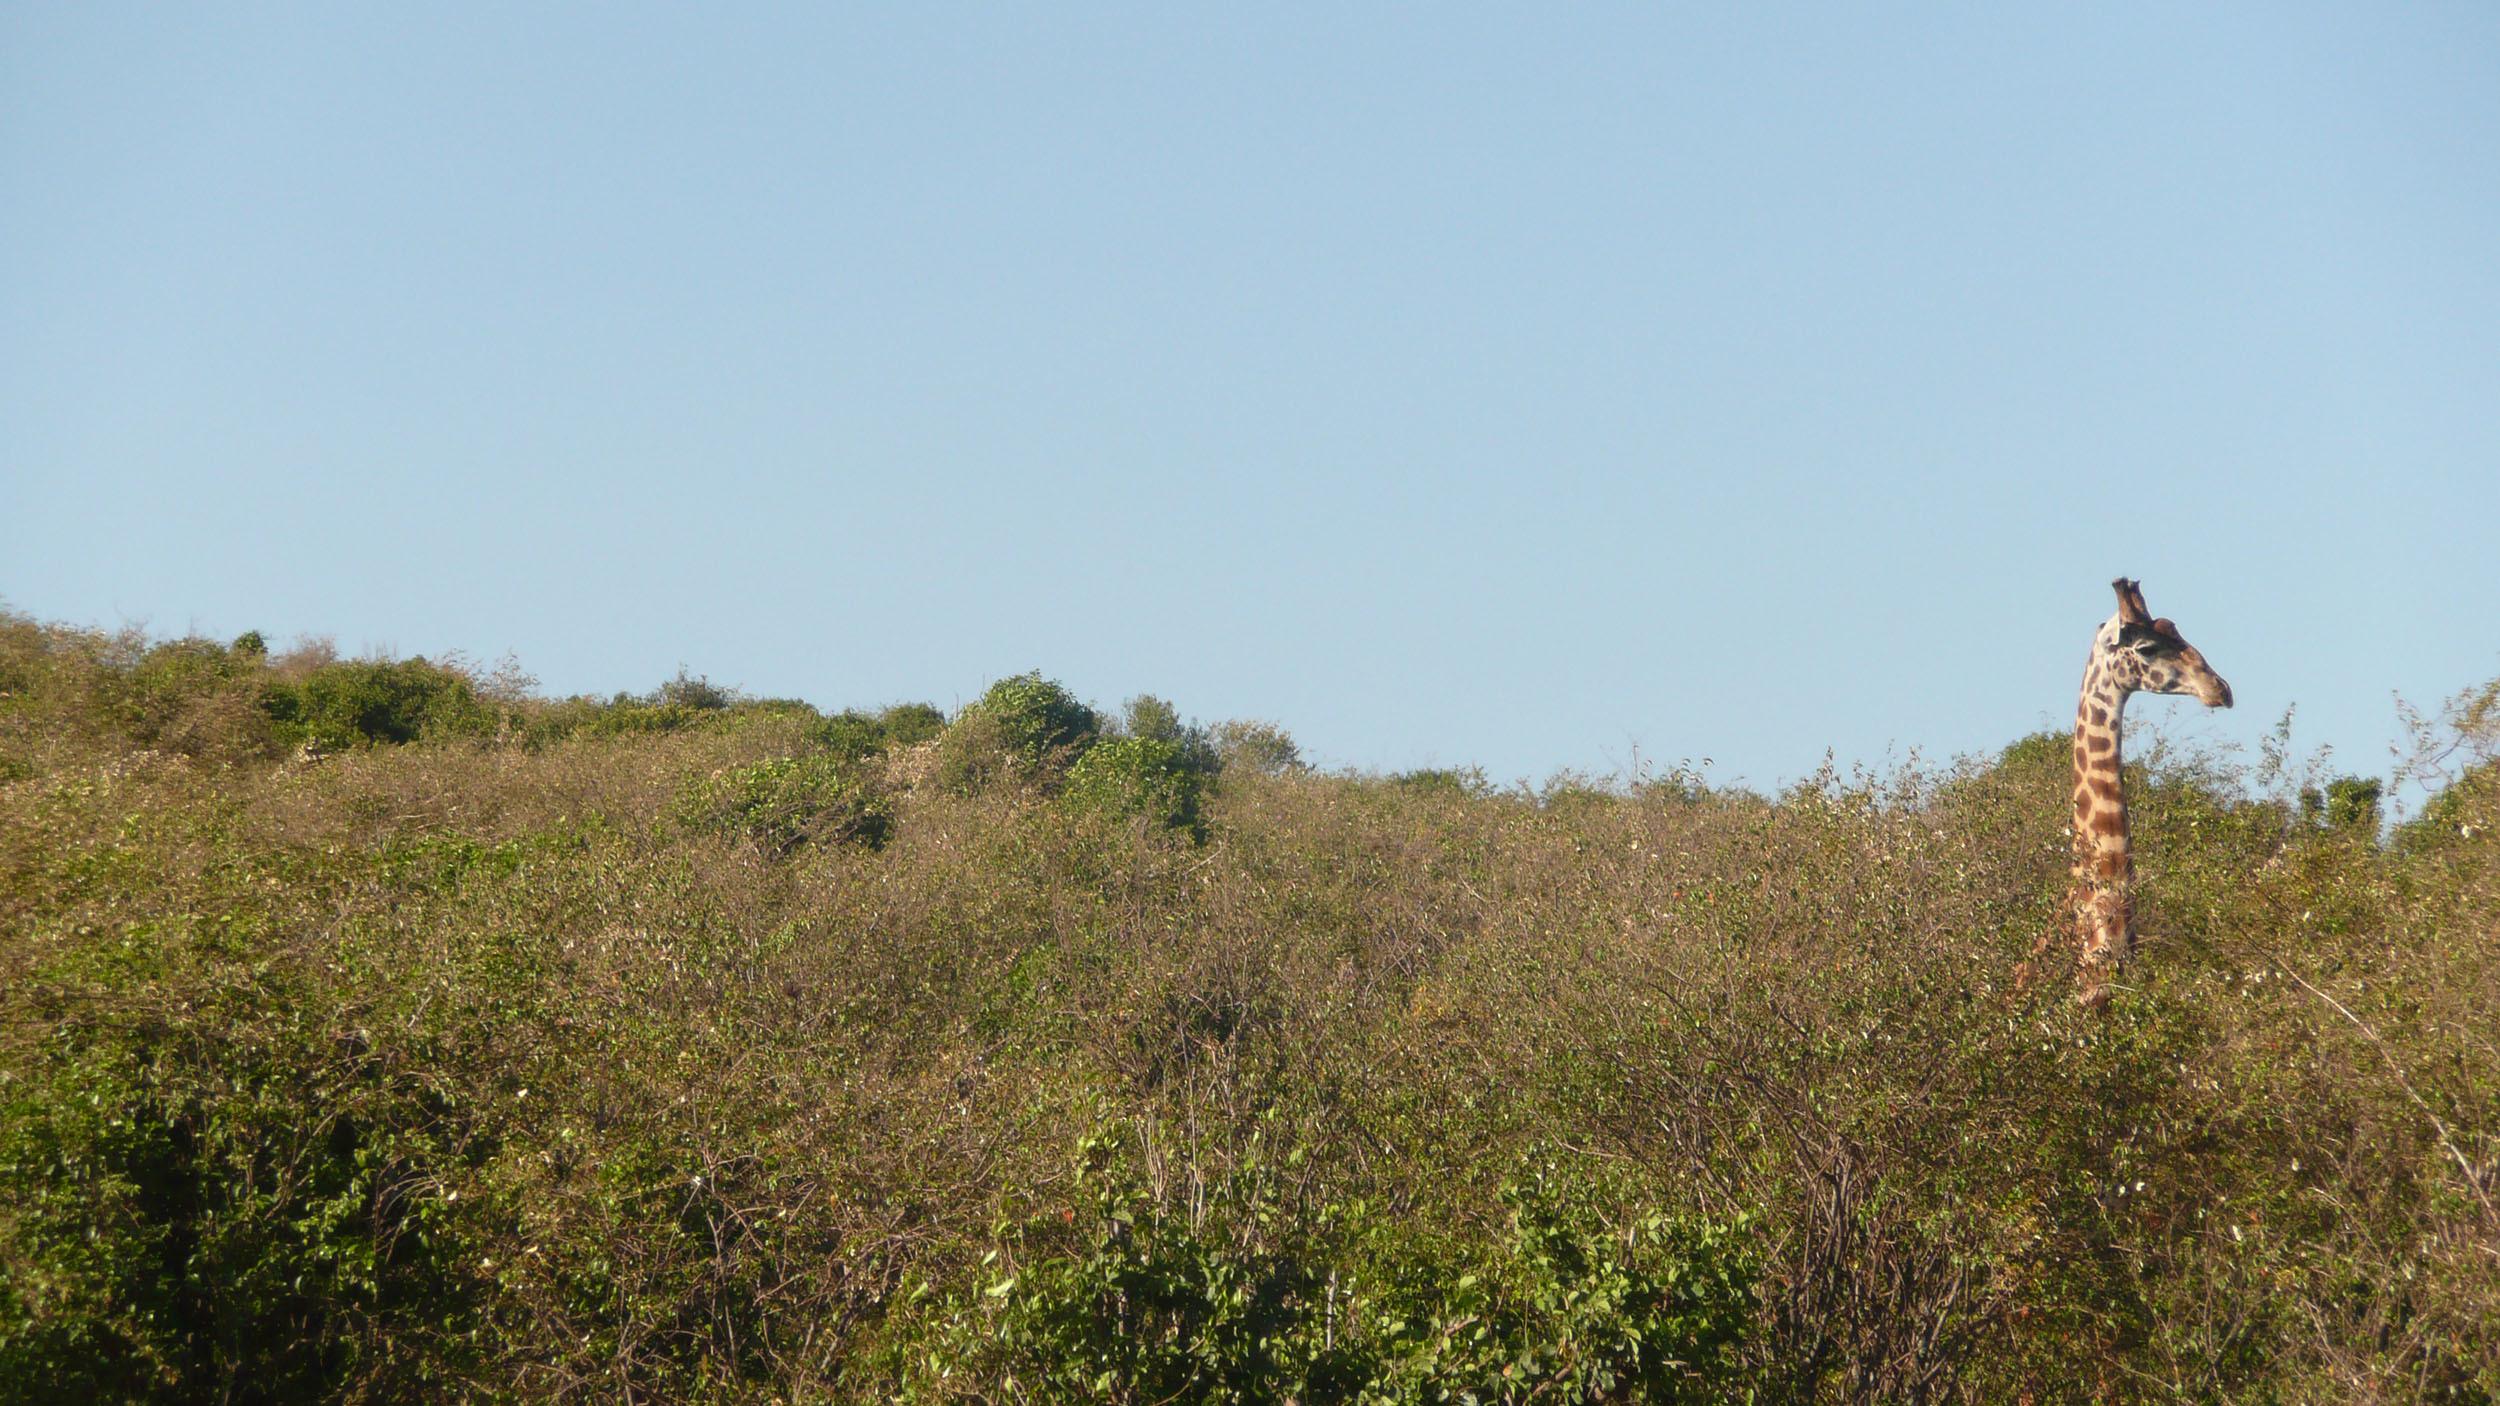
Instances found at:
x=2133 y=653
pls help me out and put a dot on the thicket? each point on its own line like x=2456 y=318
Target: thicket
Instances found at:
x=689 y=1047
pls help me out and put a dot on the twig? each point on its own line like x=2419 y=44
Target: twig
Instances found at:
x=2473 y=1181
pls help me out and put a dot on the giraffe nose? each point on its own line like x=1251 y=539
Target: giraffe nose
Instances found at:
x=2222 y=689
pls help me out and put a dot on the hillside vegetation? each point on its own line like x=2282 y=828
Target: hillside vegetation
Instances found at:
x=378 y=1031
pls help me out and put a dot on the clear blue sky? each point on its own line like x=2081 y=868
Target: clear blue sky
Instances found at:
x=1452 y=385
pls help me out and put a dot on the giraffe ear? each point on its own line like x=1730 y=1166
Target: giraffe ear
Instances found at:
x=2131 y=602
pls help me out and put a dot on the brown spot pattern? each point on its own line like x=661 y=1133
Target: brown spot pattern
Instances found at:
x=2103 y=914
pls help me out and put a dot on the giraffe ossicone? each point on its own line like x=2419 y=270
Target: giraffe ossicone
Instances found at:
x=2134 y=652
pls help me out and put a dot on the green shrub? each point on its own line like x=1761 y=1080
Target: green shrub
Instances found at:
x=465 y=1075
x=684 y=703
x=1038 y=718
x=849 y=734
x=1152 y=717
x=910 y=724
x=787 y=802
x=1568 y=1304
x=1467 y=782
x=1141 y=1307
x=855 y=734
x=693 y=692
x=195 y=697
x=1140 y=778
x=365 y=702
x=2050 y=751
x=1025 y=728
x=1256 y=748
x=1155 y=720
x=2347 y=803
x=625 y=715
x=974 y=755
x=2466 y=809
x=249 y=1218
x=1238 y=1301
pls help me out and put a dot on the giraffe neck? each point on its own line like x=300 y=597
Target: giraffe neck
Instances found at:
x=2101 y=850
x=2103 y=906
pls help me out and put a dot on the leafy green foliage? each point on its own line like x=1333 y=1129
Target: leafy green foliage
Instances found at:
x=855 y=734
x=694 y=693
x=1445 y=781
x=1155 y=720
x=625 y=715
x=1241 y=1302
x=1024 y=728
x=1256 y=749
x=366 y=702
x=786 y=802
x=191 y=696
x=910 y=724
x=2347 y=803
x=478 y=1067
x=2050 y=753
x=2465 y=811
x=1037 y=717
x=252 y=1217
x=1142 y=778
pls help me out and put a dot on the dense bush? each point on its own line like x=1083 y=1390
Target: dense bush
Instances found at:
x=625 y=715
x=364 y=702
x=193 y=696
x=479 y=1067
x=1139 y=778
x=694 y=693
x=910 y=724
x=1154 y=720
x=1450 y=781
x=1241 y=1300
x=855 y=734
x=787 y=802
x=1256 y=748
x=1037 y=717
x=2462 y=812
x=220 y=1206
x=1024 y=728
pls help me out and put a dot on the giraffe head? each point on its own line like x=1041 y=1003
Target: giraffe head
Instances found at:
x=2145 y=655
